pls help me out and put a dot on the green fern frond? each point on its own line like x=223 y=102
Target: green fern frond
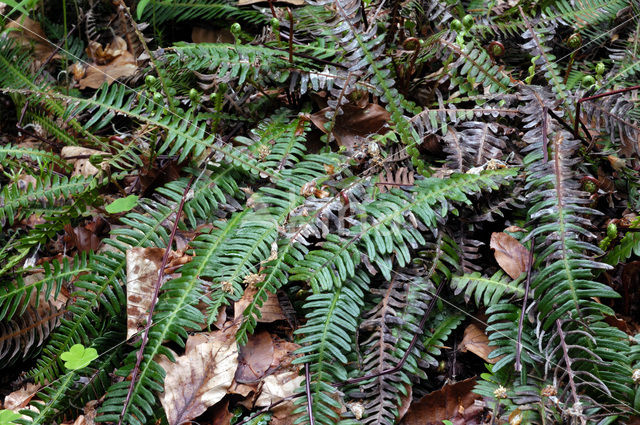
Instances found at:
x=475 y=63
x=487 y=291
x=50 y=188
x=326 y=339
x=160 y=11
x=15 y=296
x=41 y=157
x=228 y=62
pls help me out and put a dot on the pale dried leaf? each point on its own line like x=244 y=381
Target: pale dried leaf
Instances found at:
x=122 y=66
x=143 y=265
x=510 y=254
x=21 y=397
x=278 y=386
x=79 y=157
x=201 y=377
x=477 y=341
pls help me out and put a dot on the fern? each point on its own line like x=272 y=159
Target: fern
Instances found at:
x=486 y=291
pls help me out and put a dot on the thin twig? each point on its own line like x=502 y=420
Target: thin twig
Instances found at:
x=518 y=366
x=307 y=389
x=154 y=300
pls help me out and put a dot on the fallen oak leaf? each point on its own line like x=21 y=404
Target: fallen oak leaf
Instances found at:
x=510 y=254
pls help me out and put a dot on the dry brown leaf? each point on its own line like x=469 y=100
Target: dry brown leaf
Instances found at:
x=476 y=341
x=143 y=265
x=27 y=32
x=201 y=377
x=122 y=66
x=102 y=56
x=453 y=402
x=356 y=122
x=255 y=358
x=79 y=157
x=220 y=414
x=283 y=414
x=81 y=238
x=21 y=397
x=270 y=310
x=510 y=254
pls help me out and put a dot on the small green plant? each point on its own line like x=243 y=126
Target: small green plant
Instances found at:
x=121 y=205
x=78 y=357
x=7 y=417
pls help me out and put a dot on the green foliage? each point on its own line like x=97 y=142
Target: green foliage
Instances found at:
x=78 y=357
x=122 y=204
x=350 y=157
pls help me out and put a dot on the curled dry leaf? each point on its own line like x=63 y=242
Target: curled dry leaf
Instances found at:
x=510 y=254
x=476 y=341
x=110 y=63
x=201 y=377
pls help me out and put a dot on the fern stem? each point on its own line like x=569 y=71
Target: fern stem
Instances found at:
x=518 y=366
x=154 y=300
x=307 y=388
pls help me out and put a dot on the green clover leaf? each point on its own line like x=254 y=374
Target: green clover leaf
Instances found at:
x=78 y=357
x=7 y=417
x=122 y=204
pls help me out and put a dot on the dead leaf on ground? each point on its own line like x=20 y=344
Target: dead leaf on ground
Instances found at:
x=255 y=358
x=283 y=414
x=143 y=265
x=110 y=63
x=95 y=75
x=477 y=341
x=27 y=32
x=80 y=158
x=270 y=310
x=354 y=123
x=81 y=238
x=201 y=377
x=510 y=254
x=21 y=397
x=220 y=414
x=454 y=402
